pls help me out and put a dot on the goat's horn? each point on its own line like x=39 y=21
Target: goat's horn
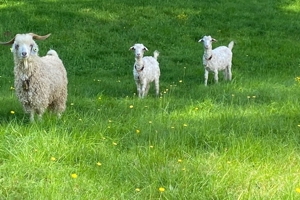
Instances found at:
x=39 y=37
x=9 y=42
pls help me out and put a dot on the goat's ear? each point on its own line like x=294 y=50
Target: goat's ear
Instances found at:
x=201 y=40
x=213 y=40
x=9 y=42
x=131 y=48
x=145 y=49
x=39 y=37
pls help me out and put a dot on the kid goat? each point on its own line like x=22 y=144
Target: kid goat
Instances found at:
x=145 y=70
x=216 y=60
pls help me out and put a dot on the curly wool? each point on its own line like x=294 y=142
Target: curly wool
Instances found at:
x=41 y=83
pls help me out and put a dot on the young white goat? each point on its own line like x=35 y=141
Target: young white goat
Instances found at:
x=40 y=82
x=216 y=60
x=145 y=70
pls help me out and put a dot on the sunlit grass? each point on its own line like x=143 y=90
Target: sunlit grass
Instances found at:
x=293 y=6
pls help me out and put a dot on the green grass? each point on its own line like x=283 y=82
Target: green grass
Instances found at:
x=233 y=140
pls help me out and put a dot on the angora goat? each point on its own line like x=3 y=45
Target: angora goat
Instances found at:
x=40 y=82
x=216 y=60
x=145 y=70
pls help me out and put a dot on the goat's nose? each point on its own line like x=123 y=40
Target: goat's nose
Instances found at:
x=24 y=53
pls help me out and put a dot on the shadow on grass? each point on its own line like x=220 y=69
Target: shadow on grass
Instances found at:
x=93 y=39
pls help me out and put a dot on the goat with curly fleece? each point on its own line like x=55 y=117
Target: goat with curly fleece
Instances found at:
x=216 y=60
x=40 y=82
x=145 y=70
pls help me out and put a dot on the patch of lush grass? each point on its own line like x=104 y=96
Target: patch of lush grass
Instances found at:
x=233 y=140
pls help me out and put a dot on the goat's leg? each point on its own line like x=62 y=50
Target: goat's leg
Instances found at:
x=40 y=113
x=229 y=75
x=225 y=74
x=31 y=113
x=138 y=88
x=205 y=77
x=216 y=76
x=157 y=87
x=143 y=91
x=147 y=89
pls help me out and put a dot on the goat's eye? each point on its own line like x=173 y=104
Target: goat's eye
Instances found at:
x=17 y=46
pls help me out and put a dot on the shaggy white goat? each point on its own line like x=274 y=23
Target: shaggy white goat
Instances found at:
x=40 y=82
x=216 y=60
x=145 y=70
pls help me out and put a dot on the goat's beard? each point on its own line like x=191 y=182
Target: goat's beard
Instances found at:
x=25 y=62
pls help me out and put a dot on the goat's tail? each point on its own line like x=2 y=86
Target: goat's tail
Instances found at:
x=230 y=45
x=52 y=53
x=156 y=54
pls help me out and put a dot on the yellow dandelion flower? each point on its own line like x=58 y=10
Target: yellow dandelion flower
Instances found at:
x=12 y=88
x=172 y=127
x=80 y=119
x=99 y=163
x=137 y=131
x=248 y=97
x=179 y=160
x=298 y=190
x=150 y=122
x=298 y=125
x=253 y=97
x=72 y=104
x=12 y=112
x=180 y=81
x=137 y=189
x=131 y=106
x=74 y=176
x=114 y=143
x=196 y=108
x=11 y=49
x=151 y=146
x=53 y=158
x=183 y=169
x=161 y=189
x=185 y=125
x=109 y=121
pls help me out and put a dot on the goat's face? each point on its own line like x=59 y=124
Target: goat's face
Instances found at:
x=207 y=41
x=24 y=46
x=139 y=50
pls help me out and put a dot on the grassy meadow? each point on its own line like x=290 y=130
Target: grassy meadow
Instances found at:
x=232 y=140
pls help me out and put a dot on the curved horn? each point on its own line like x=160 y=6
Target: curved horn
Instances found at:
x=9 y=42
x=39 y=37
